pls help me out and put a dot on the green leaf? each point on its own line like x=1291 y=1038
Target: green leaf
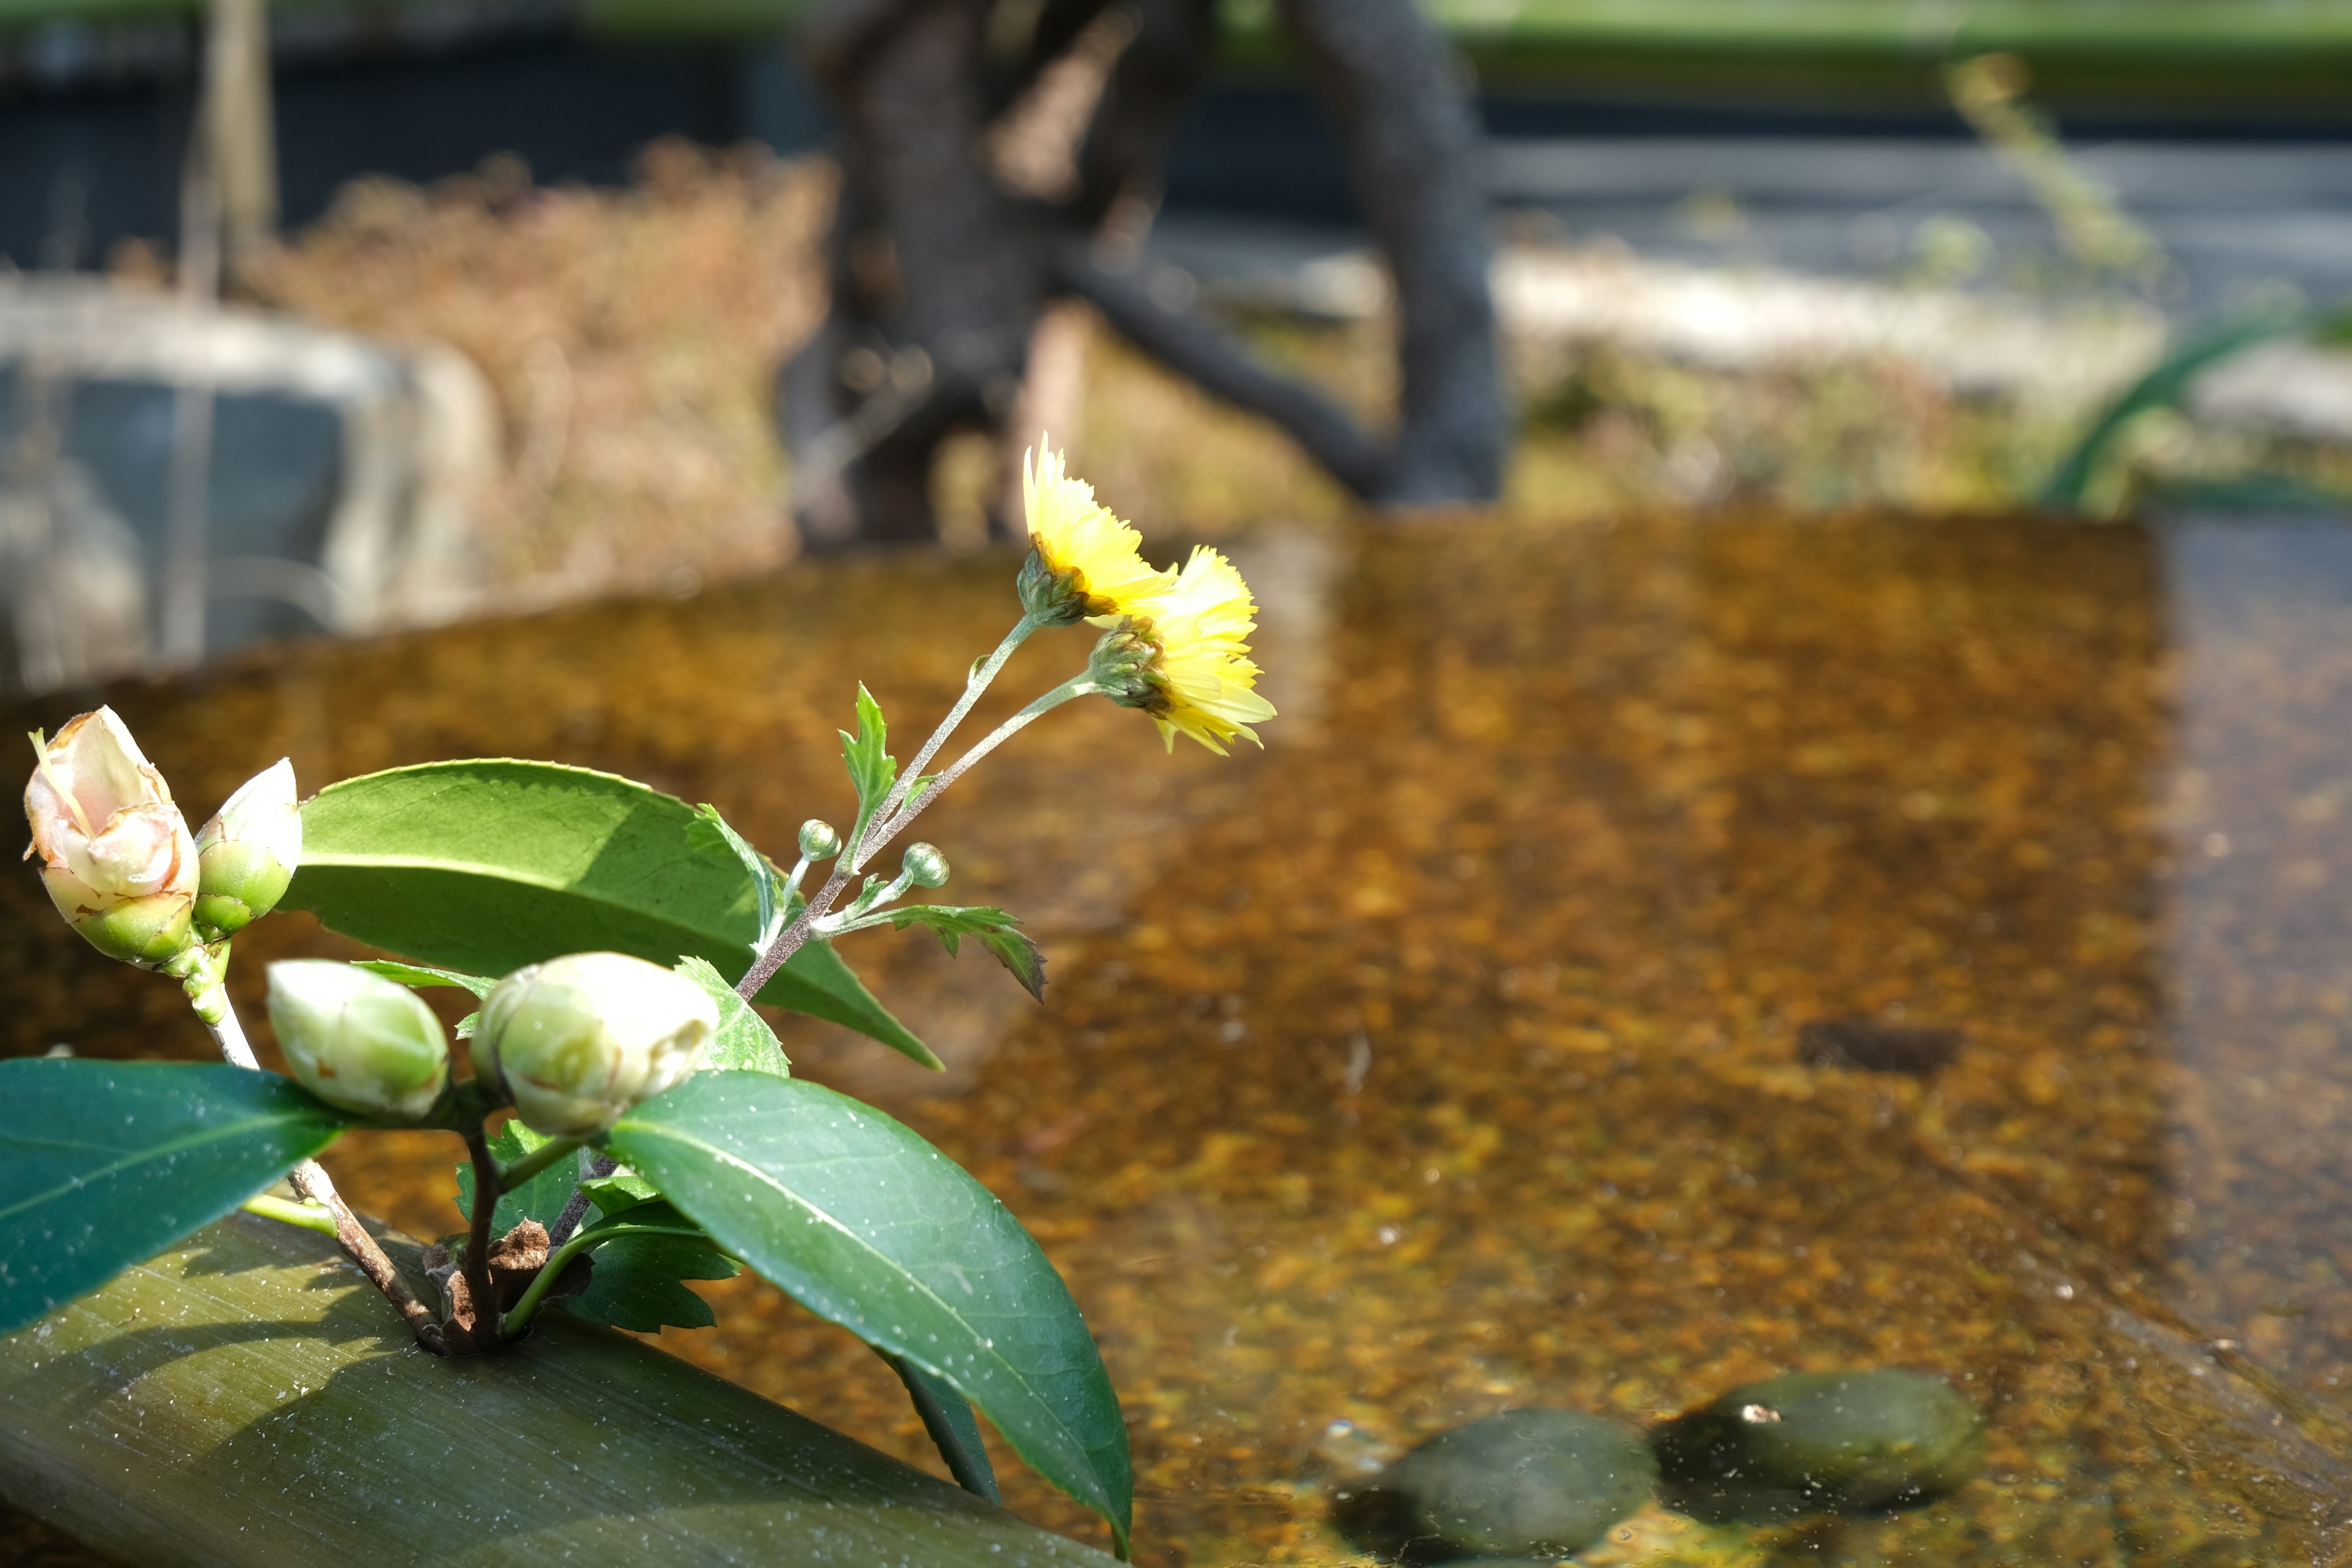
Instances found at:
x=947 y=1417
x=993 y=927
x=744 y=1042
x=541 y=1198
x=624 y=1189
x=418 y=975
x=871 y=767
x=867 y=1225
x=707 y=825
x=636 y=1283
x=104 y=1164
x=487 y=866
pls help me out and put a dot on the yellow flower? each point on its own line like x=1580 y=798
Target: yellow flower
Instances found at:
x=1182 y=656
x=1083 y=561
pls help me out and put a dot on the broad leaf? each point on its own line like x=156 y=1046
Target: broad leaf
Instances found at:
x=487 y=866
x=418 y=975
x=995 y=930
x=867 y=1225
x=872 y=769
x=104 y=1164
x=541 y=1198
x=744 y=1042
x=947 y=1417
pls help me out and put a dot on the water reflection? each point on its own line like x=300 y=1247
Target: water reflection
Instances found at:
x=1453 y=1057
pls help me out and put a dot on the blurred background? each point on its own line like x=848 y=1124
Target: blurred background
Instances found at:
x=345 y=316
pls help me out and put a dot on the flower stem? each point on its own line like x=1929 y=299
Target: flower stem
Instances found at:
x=310 y=1180
x=487 y=1189
x=978 y=682
x=306 y=1215
x=1076 y=687
x=560 y=1258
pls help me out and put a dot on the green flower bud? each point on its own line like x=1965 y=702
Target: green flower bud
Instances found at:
x=358 y=1041
x=246 y=854
x=577 y=1040
x=1124 y=664
x=924 y=866
x=818 y=840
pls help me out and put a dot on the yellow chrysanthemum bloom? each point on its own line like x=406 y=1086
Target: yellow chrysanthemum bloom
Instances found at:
x=1182 y=656
x=1083 y=561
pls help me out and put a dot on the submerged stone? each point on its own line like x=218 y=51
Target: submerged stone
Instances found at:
x=1527 y=1484
x=1820 y=1442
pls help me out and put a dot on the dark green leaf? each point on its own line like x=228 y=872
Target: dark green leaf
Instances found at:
x=636 y=1283
x=744 y=1042
x=871 y=767
x=947 y=1417
x=541 y=1198
x=419 y=976
x=487 y=866
x=104 y=1164
x=867 y=1225
x=993 y=928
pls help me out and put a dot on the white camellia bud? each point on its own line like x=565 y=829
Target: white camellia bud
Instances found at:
x=248 y=853
x=358 y=1041
x=116 y=855
x=577 y=1040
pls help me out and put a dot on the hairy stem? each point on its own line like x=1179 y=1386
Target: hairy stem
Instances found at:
x=882 y=821
x=1076 y=687
x=560 y=1258
x=310 y=1179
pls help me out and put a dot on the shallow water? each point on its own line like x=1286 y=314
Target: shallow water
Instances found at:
x=1452 y=1055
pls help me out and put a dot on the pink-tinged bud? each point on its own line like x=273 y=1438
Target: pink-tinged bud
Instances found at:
x=116 y=855
x=248 y=853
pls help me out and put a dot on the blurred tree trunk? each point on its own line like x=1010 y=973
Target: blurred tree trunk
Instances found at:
x=997 y=156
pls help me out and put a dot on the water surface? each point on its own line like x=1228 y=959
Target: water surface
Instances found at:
x=1453 y=1055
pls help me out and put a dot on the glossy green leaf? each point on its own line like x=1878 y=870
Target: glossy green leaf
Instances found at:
x=872 y=769
x=541 y=1198
x=486 y=866
x=994 y=930
x=867 y=1225
x=104 y=1164
x=744 y=1043
x=419 y=977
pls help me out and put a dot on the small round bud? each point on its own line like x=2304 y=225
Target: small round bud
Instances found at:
x=247 y=854
x=358 y=1041
x=577 y=1040
x=818 y=840
x=925 y=865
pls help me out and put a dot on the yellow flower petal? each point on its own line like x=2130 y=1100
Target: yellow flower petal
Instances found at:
x=1073 y=532
x=1201 y=624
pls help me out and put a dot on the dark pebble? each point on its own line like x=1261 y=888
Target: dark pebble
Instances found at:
x=1531 y=1484
x=1820 y=1442
x=1868 y=1045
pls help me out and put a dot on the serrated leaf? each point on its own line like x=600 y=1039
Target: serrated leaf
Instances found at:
x=743 y=1042
x=541 y=1198
x=995 y=929
x=486 y=866
x=765 y=883
x=419 y=976
x=872 y=769
x=867 y=1225
x=105 y=1163
x=621 y=1191
x=635 y=1282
